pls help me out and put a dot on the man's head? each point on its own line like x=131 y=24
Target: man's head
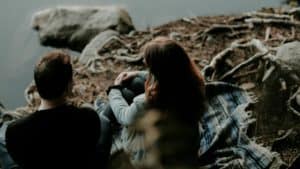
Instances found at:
x=53 y=75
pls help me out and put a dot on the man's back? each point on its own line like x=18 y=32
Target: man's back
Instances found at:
x=63 y=137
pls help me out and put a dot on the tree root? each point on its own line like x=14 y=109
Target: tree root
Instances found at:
x=218 y=28
x=129 y=59
x=251 y=60
x=272 y=21
x=210 y=70
x=290 y=104
x=95 y=65
x=245 y=74
x=267 y=15
x=267 y=34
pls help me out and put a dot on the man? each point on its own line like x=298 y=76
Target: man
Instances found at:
x=58 y=135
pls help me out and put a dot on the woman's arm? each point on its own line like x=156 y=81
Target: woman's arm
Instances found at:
x=124 y=113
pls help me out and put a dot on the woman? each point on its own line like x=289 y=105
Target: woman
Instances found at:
x=173 y=86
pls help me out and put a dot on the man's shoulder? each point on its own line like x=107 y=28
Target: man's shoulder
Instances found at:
x=86 y=109
x=88 y=116
x=21 y=123
x=71 y=110
x=88 y=112
x=68 y=112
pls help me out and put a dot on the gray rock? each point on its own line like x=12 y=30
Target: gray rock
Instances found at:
x=91 y=50
x=74 y=27
x=288 y=56
x=286 y=63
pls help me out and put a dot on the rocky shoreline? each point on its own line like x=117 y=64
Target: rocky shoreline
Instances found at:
x=238 y=49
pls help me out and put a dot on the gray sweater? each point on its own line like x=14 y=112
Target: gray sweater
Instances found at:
x=127 y=115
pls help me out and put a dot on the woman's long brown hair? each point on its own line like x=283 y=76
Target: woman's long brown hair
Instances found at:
x=180 y=86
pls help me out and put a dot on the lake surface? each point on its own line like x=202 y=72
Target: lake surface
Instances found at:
x=20 y=47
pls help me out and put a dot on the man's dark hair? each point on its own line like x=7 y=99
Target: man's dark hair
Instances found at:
x=52 y=75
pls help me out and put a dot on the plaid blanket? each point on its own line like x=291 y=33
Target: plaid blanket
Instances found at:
x=223 y=140
x=224 y=143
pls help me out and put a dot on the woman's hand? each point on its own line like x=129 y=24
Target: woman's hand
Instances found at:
x=129 y=75
x=119 y=79
x=125 y=76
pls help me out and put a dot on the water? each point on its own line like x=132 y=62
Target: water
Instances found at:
x=20 y=47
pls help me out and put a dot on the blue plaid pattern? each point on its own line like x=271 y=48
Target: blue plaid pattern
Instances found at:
x=224 y=143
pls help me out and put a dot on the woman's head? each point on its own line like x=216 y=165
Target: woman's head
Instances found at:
x=178 y=84
x=165 y=58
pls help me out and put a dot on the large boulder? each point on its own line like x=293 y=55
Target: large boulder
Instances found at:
x=73 y=27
